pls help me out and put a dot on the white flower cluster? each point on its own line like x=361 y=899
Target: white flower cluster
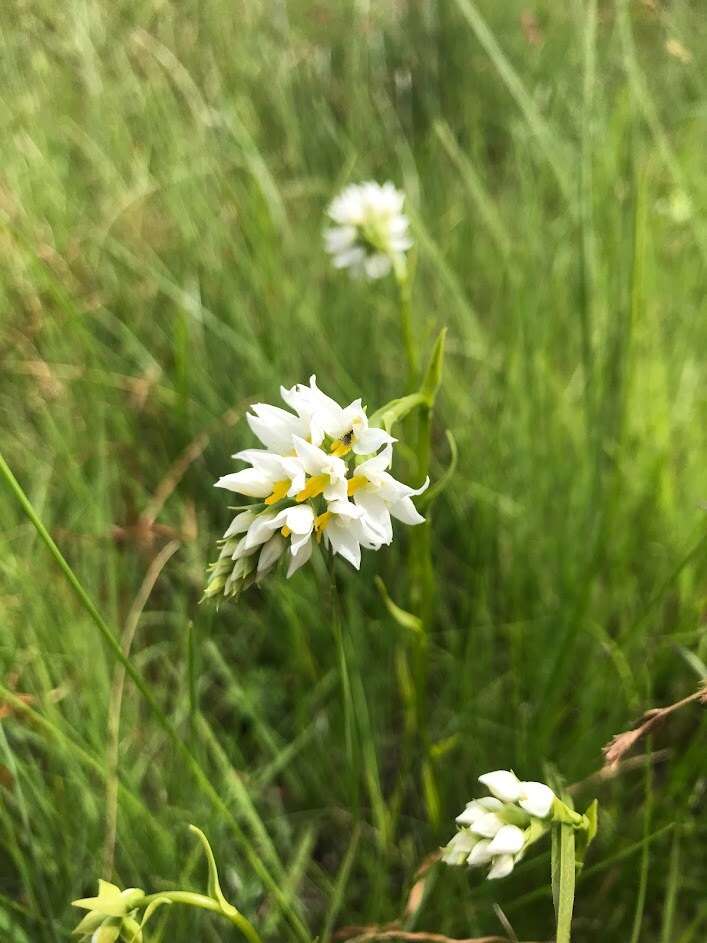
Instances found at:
x=497 y=829
x=370 y=231
x=322 y=476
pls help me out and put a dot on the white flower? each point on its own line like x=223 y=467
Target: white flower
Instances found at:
x=459 y=848
x=535 y=798
x=270 y=476
x=477 y=808
x=508 y=840
x=322 y=416
x=370 y=231
x=380 y=496
x=501 y=867
x=309 y=489
x=497 y=829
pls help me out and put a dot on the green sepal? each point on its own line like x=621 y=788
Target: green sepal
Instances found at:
x=149 y=911
x=563 y=814
x=130 y=931
x=513 y=815
x=404 y=618
x=535 y=831
x=109 y=931
x=586 y=836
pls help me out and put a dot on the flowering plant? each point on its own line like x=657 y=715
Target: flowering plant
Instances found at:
x=370 y=235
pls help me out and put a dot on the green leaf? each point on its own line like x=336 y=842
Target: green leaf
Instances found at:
x=405 y=619
x=433 y=374
x=214 y=887
x=395 y=410
x=442 y=482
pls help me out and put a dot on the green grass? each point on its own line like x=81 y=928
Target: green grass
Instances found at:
x=164 y=171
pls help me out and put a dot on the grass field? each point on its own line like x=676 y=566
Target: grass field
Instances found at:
x=165 y=169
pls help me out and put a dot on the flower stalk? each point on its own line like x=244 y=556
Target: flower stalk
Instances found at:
x=115 y=916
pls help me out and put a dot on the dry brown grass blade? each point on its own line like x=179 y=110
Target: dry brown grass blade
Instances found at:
x=391 y=932
x=619 y=745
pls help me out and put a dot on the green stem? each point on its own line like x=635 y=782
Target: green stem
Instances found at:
x=566 y=874
x=346 y=690
x=420 y=561
x=199 y=774
x=207 y=903
x=403 y=281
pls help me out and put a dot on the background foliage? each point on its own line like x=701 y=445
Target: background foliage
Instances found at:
x=164 y=171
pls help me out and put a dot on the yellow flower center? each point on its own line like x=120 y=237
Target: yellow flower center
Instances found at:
x=355 y=484
x=340 y=448
x=314 y=486
x=279 y=491
x=320 y=522
x=285 y=531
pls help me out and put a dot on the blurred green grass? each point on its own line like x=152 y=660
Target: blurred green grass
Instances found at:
x=164 y=171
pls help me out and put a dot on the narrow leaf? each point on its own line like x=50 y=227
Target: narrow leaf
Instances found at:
x=433 y=374
x=214 y=887
x=404 y=618
x=443 y=481
x=395 y=410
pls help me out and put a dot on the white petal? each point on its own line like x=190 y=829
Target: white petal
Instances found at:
x=339 y=238
x=344 y=543
x=479 y=854
x=473 y=811
x=457 y=849
x=376 y=515
x=372 y=468
x=344 y=508
x=300 y=558
x=370 y=440
x=275 y=427
x=262 y=528
x=507 y=841
x=271 y=553
x=487 y=825
x=300 y=519
x=249 y=481
x=537 y=799
x=501 y=867
x=503 y=784
x=406 y=512
x=240 y=524
x=312 y=457
x=377 y=266
x=350 y=257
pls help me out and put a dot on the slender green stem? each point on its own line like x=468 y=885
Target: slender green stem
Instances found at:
x=199 y=774
x=346 y=691
x=402 y=278
x=207 y=903
x=566 y=883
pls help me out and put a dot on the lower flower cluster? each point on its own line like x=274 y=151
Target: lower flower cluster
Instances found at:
x=496 y=830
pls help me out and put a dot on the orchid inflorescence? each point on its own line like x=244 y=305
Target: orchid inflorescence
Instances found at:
x=370 y=235
x=321 y=478
x=497 y=830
